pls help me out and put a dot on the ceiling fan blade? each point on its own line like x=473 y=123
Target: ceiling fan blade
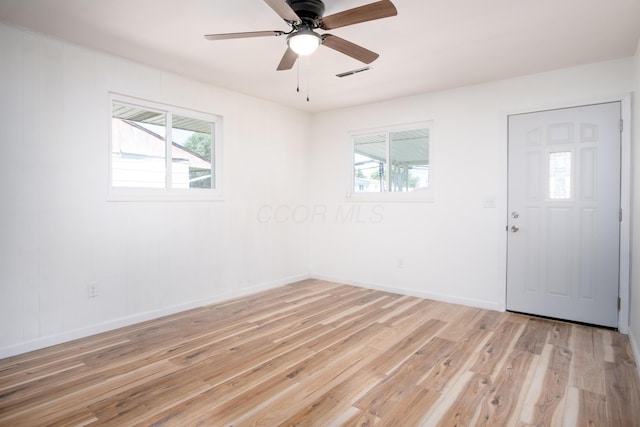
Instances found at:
x=288 y=59
x=243 y=35
x=368 y=12
x=282 y=8
x=348 y=48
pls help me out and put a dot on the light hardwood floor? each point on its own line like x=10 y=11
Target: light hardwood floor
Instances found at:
x=321 y=354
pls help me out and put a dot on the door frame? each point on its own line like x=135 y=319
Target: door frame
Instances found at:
x=625 y=194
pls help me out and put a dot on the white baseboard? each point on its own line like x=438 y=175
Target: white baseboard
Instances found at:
x=489 y=305
x=110 y=325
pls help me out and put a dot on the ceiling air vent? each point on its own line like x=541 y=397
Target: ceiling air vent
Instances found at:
x=352 y=72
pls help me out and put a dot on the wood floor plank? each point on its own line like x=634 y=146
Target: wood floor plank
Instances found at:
x=489 y=320
x=405 y=322
x=81 y=417
x=435 y=415
x=493 y=350
x=322 y=353
x=329 y=405
x=535 y=385
x=460 y=323
x=214 y=406
x=554 y=387
x=412 y=409
x=389 y=394
x=38 y=373
x=464 y=410
x=44 y=359
x=81 y=389
x=560 y=333
x=231 y=390
x=451 y=366
x=399 y=309
x=131 y=404
x=359 y=419
x=37 y=393
x=587 y=363
x=592 y=409
x=322 y=376
x=534 y=336
x=386 y=362
x=318 y=374
x=501 y=401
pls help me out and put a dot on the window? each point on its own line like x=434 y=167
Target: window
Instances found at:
x=163 y=152
x=394 y=160
x=560 y=175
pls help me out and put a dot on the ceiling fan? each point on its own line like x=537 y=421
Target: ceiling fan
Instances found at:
x=305 y=16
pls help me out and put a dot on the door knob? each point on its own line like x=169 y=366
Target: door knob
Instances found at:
x=514 y=228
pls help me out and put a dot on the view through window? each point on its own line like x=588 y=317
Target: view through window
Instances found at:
x=392 y=161
x=159 y=148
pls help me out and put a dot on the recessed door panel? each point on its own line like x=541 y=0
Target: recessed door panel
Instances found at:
x=558 y=252
x=588 y=250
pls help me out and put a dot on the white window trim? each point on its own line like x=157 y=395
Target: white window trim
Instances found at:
x=426 y=196
x=126 y=194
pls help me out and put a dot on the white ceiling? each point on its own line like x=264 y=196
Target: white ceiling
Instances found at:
x=431 y=45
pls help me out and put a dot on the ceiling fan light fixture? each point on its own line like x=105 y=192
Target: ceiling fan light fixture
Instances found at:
x=304 y=41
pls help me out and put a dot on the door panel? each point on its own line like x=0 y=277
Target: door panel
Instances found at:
x=564 y=201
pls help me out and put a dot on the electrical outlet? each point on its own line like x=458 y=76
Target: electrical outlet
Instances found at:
x=400 y=263
x=92 y=289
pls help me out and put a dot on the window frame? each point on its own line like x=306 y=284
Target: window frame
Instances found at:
x=167 y=193
x=390 y=196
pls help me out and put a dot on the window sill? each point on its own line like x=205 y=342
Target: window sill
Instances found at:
x=417 y=197
x=147 y=195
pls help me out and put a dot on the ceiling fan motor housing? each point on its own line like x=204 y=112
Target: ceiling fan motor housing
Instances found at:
x=310 y=11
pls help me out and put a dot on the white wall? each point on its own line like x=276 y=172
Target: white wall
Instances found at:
x=634 y=329
x=284 y=214
x=58 y=232
x=453 y=249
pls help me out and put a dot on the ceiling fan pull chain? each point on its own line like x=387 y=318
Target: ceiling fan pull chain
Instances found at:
x=308 y=76
x=298 y=76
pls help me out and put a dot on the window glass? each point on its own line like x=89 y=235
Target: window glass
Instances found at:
x=409 y=154
x=397 y=160
x=192 y=153
x=560 y=175
x=138 y=149
x=370 y=163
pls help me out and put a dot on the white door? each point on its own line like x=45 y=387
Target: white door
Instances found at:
x=564 y=213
